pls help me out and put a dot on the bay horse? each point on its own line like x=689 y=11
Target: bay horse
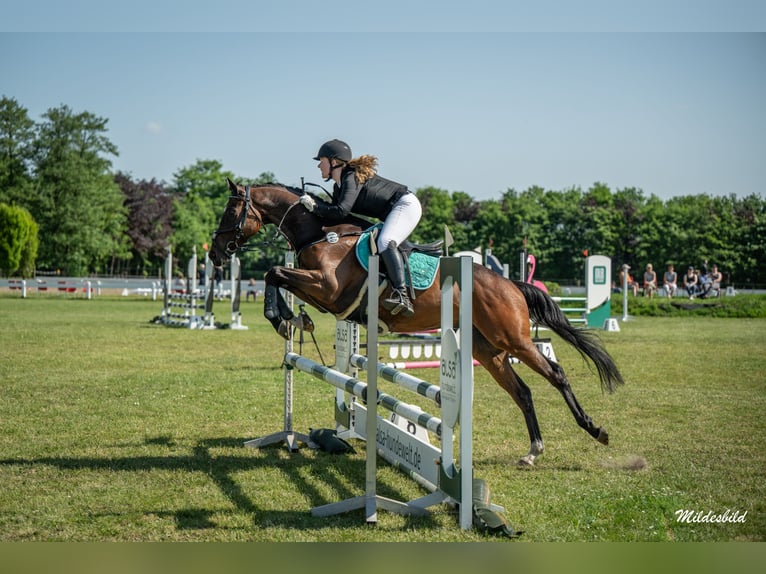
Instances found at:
x=329 y=277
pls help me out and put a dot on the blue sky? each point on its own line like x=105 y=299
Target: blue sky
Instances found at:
x=474 y=100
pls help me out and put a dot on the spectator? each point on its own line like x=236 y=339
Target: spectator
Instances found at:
x=716 y=277
x=632 y=285
x=691 y=282
x=650 y=281
x=711 y=285
x=670 y=281
x=251 y=290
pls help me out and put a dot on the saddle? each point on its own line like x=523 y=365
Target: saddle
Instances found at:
x=421 y=261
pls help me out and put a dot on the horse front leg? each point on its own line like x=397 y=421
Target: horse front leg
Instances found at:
x=297 y=281
x=276 y=310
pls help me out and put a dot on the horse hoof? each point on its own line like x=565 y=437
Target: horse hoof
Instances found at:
x=603 y=436
x=284 y=330
x=526 y=461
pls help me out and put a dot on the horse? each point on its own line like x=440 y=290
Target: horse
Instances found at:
x=329 y=277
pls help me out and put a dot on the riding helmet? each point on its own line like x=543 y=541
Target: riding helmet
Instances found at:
x=334 y=149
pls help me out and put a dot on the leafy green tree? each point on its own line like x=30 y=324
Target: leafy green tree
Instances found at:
x=489 y=223
x=18 y=240
x=438 y=211
x=199 y=198
x=76 y=202
x=749 y=237
x=16 y=138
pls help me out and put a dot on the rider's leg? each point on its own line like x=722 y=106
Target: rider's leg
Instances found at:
x=404 y=216
x=398 y=301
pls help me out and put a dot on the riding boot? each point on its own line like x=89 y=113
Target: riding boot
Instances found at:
x=398 y=301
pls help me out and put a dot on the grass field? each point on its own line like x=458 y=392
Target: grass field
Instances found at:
x=113 y=428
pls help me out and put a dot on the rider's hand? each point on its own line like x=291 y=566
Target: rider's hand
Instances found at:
x=308 y=202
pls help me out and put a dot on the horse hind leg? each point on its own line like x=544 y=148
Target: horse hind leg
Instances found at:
x=497 y=363
x=554 y=374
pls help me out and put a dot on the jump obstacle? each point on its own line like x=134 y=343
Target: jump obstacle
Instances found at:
x=187 y=305
x=402 y=438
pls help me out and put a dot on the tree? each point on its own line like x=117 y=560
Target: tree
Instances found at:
x=750 y=241
x=76 y=201
x=18 y=240
x=16 y=139
x=149 y=220
x=199 y=198
x=438 y=211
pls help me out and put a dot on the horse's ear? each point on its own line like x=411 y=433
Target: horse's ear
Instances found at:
x=232 y=185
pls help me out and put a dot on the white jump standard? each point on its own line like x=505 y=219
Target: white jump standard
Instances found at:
x=287 y=434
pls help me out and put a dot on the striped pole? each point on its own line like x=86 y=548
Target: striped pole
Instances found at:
x=419 y=386
x=357 y=388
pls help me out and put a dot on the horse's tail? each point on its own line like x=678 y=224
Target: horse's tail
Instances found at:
x=544 y=311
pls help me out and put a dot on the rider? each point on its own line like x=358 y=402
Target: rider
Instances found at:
x=358 y=189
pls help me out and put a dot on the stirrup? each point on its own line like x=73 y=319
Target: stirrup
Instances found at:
x=392 y=301
x=405 y=308
x=399 y=302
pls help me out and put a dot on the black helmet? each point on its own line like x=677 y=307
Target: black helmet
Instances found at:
x=334 y=149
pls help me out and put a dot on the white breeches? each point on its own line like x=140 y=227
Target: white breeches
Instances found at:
x=402 y=221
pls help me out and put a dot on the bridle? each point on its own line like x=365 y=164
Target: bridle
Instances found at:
x=239 y=228
x=239 y=241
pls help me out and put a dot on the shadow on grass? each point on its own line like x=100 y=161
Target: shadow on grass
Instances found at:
x=222 y=469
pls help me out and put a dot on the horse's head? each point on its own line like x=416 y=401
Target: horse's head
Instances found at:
x=240 y=221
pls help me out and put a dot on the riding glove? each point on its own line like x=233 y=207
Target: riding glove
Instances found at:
x=308 y=202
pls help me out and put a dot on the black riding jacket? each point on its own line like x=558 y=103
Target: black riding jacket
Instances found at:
x=374 y=198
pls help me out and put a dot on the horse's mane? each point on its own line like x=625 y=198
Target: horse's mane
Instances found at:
x=294 y=190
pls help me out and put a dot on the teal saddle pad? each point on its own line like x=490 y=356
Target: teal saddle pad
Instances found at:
x=422 y=267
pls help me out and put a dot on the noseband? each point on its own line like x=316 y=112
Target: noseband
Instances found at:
x=239 y=228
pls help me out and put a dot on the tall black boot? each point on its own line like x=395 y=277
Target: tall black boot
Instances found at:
x=398 y=301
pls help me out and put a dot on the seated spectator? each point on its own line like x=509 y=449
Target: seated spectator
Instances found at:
x=670 y=281
x=650 y=281
x=632 y=285
x=711 y=285
x=691 y=282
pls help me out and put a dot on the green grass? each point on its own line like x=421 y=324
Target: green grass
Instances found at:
x=113 y=428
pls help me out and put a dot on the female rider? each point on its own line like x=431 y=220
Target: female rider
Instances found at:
x=358 y=189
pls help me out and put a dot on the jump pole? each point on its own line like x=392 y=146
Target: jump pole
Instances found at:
x=287 y=434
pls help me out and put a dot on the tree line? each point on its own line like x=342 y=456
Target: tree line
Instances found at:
x=63 y=209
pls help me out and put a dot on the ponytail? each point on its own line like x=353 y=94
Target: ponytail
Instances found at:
x=364 y=167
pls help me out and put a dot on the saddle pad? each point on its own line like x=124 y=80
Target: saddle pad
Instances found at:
x=423 y=267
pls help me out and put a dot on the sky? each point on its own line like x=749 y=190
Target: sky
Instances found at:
x=667 y=97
